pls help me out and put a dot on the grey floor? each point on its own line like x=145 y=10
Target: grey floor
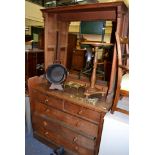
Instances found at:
x=35 y=147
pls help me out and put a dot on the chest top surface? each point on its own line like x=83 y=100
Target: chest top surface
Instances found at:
x=42 y=85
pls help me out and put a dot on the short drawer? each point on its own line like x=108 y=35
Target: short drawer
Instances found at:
x=82 y=111
x=38 y=97
x=64 y=137
x=80 y=124
x=55 y=102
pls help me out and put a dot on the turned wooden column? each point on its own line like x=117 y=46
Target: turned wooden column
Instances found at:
x=93 y=77
x=92 y=89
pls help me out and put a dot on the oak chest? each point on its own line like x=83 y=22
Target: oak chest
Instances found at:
x=59 y=119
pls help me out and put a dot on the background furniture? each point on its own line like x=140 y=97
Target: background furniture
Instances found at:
x=122 y=87
x=78 y=59
x=34 y=63
x=71 y=47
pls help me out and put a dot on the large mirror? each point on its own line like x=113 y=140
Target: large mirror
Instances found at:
x=80 y=57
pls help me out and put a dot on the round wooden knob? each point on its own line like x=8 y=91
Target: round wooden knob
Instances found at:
x=76 y=147
x=44 y=123
x=46 y=101
x=75 y=139
x=80 y=112
x=47 y=110
x=46 y=133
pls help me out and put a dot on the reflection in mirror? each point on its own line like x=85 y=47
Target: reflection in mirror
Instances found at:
x=80 y=57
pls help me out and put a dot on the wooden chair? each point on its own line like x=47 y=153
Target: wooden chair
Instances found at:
x=122 y=85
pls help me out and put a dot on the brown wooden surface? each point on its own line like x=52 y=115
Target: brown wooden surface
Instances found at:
x=122 y=67
x=58 y=18
x=78 y=59
x=72 y=41
x=40 y=84
x=59 y=118
x=87 y=7
x=32 y=59
x=76 y=122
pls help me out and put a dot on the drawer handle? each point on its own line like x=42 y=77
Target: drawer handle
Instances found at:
x=80 y=112
x=47 y=110
x=76 y=147
x=75 y=139
x=46 y=133
x=44 y=123
x=46 y=101
x=34 y=91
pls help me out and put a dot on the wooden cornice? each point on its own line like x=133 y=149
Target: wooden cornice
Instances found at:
x=86 y=7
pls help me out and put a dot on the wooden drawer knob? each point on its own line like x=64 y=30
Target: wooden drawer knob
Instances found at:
x=44 y=123
x=46 y=133
x=76 y=147
x=46 y=101
x=75 y=139
x=80 y=112
x=47 y=110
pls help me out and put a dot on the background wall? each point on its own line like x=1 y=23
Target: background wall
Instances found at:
x=33 y=16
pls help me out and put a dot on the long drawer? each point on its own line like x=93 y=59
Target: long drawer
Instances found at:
x=80 y=124
x=65 y=137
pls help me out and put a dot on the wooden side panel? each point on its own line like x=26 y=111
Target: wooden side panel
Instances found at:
x=63 y=28
x=78 y=59
x=50 y=38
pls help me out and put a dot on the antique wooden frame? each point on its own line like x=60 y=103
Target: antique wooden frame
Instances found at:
x=58 y=19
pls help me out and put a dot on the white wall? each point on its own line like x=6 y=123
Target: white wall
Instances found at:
x=115 y=135
x=33 y=16
x=32 y=12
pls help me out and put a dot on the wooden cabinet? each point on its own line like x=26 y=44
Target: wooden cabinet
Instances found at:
x=34 y=64
x=61 y=120
x=34 y=61
x=72 y=41
x=78 y=59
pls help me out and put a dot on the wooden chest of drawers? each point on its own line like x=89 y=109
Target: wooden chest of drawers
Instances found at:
x=60 y=120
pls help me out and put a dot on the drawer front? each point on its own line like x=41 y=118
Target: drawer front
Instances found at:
x=80 y=124
x=63 y=136
x=82 y=111
x=55 y=102
x=38 y=97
